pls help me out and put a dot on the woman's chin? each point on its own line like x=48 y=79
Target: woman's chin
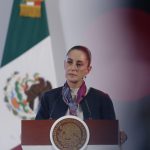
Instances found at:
x=73 y=81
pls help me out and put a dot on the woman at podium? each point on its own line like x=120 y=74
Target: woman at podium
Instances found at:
x=74 y=97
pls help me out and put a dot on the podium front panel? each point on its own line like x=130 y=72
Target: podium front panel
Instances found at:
x=37 y=132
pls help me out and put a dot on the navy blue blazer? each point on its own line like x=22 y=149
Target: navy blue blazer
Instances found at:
x=95 y=105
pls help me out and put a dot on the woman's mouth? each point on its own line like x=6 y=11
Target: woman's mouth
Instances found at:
x=71 y=74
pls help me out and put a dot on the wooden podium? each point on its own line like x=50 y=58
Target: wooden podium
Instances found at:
x=35 y=134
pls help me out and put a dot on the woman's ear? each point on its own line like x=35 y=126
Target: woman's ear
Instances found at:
x=89 y=69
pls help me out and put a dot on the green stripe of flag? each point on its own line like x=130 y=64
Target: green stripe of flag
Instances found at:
x=23 y=33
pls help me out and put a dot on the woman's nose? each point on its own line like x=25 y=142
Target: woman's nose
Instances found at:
x=74 y=67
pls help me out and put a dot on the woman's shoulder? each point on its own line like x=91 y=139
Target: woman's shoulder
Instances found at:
x=99 y=95
x=97 y=92
x=54 y=91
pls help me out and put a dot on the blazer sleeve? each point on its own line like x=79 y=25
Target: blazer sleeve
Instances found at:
x=43 y=112
x=107 y=109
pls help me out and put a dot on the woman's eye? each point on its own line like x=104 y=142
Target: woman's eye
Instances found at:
x=79 y=65
x=69 y=62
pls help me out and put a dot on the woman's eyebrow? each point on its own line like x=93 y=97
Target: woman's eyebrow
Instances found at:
x=79 y=61
x=67 y=58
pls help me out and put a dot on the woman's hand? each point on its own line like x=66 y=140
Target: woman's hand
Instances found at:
x=123 y=137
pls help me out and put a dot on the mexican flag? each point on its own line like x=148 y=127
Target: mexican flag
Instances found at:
x=26 y=71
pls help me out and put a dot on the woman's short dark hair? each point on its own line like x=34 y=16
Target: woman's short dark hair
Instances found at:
x=83 y=49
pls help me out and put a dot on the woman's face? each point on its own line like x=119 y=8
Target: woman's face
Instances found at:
x=76 y=67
